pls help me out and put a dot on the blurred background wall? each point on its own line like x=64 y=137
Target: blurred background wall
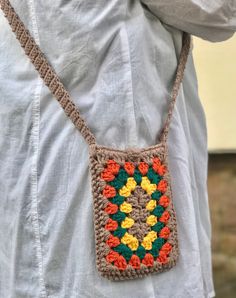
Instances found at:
x=216 y=71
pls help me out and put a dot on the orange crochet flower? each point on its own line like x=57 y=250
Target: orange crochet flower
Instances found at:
x=129 y=167
x=143 y=167
x=164 y=232
x=161 y=170
x=162 y=258
x=166 y=248
x=120 y=263
x=162 y=186
x=156 y=164
x=113 y=241
x=111 y=225
x=113 y=166
x=111 y=208
x=135 y=262
x=112 y=256
x=109 y=191
x=164 y=201
x=107 y=175
x=148 y=260
x=165 y=217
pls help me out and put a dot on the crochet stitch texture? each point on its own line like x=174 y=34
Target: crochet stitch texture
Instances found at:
x=135 y=220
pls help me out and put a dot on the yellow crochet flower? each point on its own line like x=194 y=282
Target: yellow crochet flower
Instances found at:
x=151 y=220
x=147 y=244
x=152 y=236
x=146 y=185
x=127 y=223
x=134 y=244
x=145 y=182
x=151 y=189
x=130 y=186
x=125 y=192
x=126 y=207
x=127 y=238
x=130 y=240
x=151 y=205
x=131 y=183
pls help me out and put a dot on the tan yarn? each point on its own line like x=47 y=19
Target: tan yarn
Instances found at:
x=99 y=155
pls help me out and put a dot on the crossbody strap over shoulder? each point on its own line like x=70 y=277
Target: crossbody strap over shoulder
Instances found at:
x=55 y=85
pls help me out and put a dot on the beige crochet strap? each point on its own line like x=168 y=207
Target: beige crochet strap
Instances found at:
x=186 y=44
x=45 y=70
x=53 y=82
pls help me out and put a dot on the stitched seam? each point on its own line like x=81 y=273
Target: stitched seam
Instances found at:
x=34 y=170
x=34 y=185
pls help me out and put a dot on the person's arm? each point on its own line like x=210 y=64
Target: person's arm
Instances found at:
x=213 y=20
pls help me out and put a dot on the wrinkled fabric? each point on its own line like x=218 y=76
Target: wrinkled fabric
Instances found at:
x=117 y=59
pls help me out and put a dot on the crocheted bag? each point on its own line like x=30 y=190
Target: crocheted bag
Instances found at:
x=134 y=217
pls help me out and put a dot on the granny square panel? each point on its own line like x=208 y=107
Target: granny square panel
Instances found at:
x=135 y=224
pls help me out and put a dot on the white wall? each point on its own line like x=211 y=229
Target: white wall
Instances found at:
x=216 y=71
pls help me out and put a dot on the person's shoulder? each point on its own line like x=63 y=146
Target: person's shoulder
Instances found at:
x=214 y=21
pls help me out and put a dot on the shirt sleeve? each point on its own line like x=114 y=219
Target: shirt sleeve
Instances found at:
x=213 y=20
